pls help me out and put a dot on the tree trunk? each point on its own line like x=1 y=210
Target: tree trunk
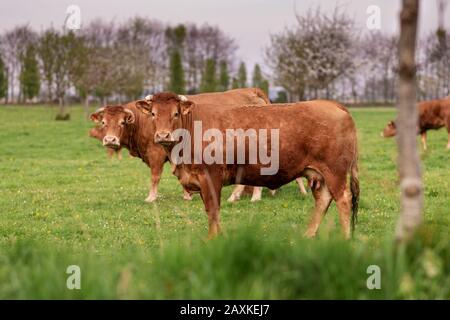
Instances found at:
x=408 y=158
x=49 y=94
x=62 y=109
x=86 y=106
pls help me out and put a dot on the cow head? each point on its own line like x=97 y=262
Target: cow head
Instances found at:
x=165 y=110
x=390 y=130
x=114 y=121
x=96 y=133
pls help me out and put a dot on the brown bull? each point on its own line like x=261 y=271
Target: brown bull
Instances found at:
x=125 y=126
x=433 y=114
x=316 y=140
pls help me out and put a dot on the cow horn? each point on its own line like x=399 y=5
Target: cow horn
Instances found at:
x=149 y=98
x=130 y=113
x=182 y=98
x=97 y=115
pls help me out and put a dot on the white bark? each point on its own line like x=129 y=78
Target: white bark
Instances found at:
x=408 y=158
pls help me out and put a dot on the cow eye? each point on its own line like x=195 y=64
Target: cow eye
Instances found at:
x=122 y=122
x=175 y=114
x=153 y=114
x=103 y=122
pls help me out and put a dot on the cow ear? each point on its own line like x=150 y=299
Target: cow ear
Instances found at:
x=129 y=116
x=144 y=106
x=97 y=116
x=186 y=106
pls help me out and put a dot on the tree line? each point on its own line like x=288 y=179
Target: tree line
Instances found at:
x=113 y=62
x=322 y=55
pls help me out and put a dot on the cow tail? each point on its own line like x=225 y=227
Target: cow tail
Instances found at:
x=354 y=188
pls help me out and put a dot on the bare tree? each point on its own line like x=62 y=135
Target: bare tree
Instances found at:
x=13 y=45
x=110 y=60
x=46 y=53
x=408 y=159
x=143 y=41
x=380 y=51
x=205 y=43
x=313 y=54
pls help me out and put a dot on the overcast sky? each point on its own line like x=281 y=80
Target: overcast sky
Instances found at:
x=249 y=22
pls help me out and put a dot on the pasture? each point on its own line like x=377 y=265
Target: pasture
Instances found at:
x=62 y=202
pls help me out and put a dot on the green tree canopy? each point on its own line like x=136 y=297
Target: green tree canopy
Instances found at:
x=242 y=75
x=257 y=78
x=234 y=83
x=265 y=86
x=29 y=75
x=3 y=79
x=209 y=79
x=47 y=56
x=177 y=83
x=224 y=77
x=175 y=38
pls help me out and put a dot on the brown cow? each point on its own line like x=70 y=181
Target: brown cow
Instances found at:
x=317 y=140
x=433 y=114
x=125 y=126
x=99 y=133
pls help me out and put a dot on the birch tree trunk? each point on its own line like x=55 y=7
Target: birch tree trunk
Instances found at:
x=408 y=156
x=86 y=107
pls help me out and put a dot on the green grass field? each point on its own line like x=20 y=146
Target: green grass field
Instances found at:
x=64 y=203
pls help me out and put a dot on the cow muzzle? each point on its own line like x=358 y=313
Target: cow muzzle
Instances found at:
x=164 y=138
x=111 y=142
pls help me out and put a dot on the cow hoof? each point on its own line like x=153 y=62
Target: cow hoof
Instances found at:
x=255 y=199
x=309 y=234
x=232 y=199
x=272 y=192
x=150 y=198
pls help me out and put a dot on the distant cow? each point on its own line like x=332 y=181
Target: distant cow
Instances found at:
x=316 y=140
x=433 y=114
x=126 y=126
x=99 y=133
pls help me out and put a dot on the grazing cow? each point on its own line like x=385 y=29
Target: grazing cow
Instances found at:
x=433 y=114
x=99 y=133
x=316 y=140
x=125 y=126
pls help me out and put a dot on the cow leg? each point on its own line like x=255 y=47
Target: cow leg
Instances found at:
x=424 y=140
x=210 y=190
x=272 y=192
x=447 y=125
x=119 y=154
x=301 y=186
x=237 y=192
x=344 y=206
x=322 y=197
x=110 y=152
x=187 y=195
x=257 y=192
x=156 y=172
